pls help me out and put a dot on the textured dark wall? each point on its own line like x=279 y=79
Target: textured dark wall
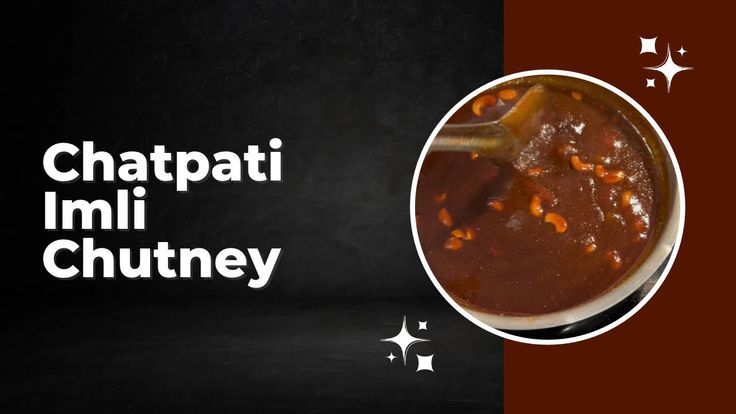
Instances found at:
x=352 y=87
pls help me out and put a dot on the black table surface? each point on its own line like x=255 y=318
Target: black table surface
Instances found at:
x=293 y=356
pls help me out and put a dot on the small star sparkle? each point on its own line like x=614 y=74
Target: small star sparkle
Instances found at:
x=668 y=68
x=650 y=83
x=648 y=45
x=422 y=325
x=391 y=357
x=682 y=51
x=404 y=340
x=424 y=362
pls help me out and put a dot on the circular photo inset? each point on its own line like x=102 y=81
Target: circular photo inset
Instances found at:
x=547 y=207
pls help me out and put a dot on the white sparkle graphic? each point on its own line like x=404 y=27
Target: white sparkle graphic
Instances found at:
x=391 y=357
x=424 y=362
x=404 y=340
x=668 y=68
x=682 y=51
x=422 y=325
x=648 y=45
x=650 y=83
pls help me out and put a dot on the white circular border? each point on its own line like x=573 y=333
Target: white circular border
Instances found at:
x=670 y=261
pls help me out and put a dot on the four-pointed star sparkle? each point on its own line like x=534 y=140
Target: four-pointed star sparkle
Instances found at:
x=668 y=68
x=648 y=45
x=650 y=83
x=682 y=51
x=424 y=362
x=404 y=339
x=422 y=325
x=391 y=357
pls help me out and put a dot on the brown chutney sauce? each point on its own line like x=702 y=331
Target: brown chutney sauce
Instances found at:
x=558 y=226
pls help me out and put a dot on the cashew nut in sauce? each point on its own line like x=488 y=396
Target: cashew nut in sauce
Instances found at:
x=578 y=165
x=613 y=177
x=496 y=205
x=566 y=150
x=469 y=234
x=535 y=206
x=481 y=102
x=557 y=220
x=508 y=94
x=600 y=171
x=445 y=217
x=453 y=243
x=614 y=259
x=626 y=198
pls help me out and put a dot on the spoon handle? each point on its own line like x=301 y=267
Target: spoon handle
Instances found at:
x=491 y=139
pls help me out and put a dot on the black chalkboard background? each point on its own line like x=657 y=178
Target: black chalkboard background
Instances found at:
x=353 y=88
